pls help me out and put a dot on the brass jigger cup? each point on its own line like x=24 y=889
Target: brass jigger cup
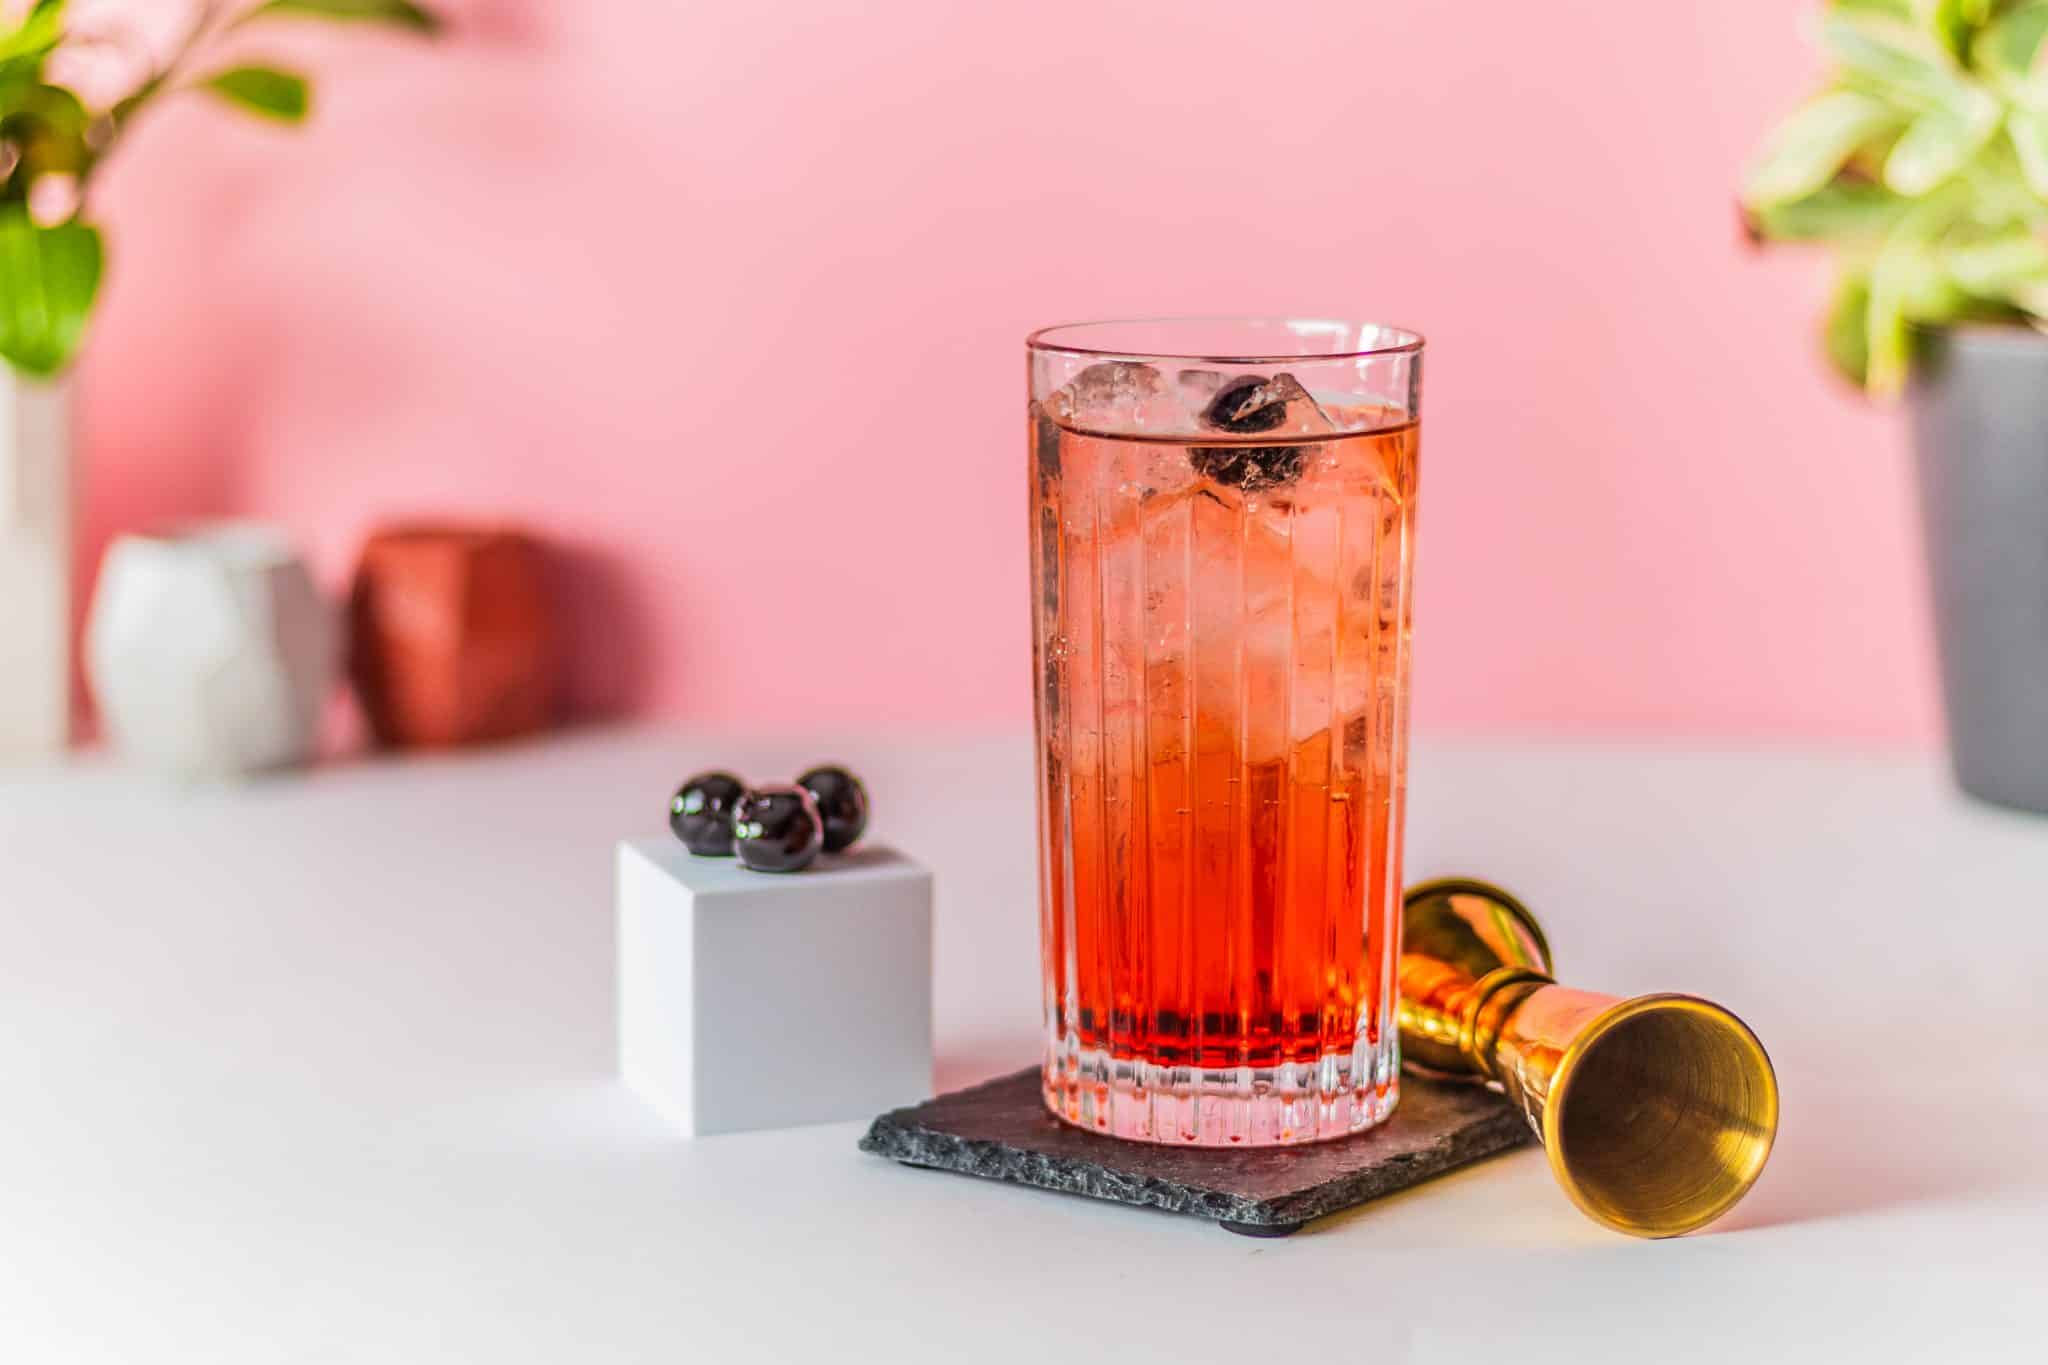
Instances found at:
x=1657 y=1113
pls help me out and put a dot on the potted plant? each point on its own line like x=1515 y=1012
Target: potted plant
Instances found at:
x=59 y=123
x=1923 y=163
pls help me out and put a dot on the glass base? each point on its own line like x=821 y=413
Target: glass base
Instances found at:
x=1240 y=1106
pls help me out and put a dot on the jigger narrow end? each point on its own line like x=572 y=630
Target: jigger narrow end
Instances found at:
x=1661 y=1115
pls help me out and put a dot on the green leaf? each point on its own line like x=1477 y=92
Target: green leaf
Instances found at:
x=1887 y=51
x=400 y=13
x=46 y=125
x=2008 y=47
x=1999 y=196
x=1809 y=147
x=1998 y=266
x=2029 y=133
x=1847 y=330
x=1927 y=293
x=1895 y=9
x=1844 y=211
x=1907 y=284
x=41 y=29
x=48 y=279
x=1951 y=22
x=1941 y=141
x=262 y=90
x=1886 y=347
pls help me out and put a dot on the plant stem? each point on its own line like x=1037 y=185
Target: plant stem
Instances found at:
x=124 y=113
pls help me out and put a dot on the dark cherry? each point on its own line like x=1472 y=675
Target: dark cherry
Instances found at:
x=1251 y=468
x=701 y=813
x=1246 y=406
x=842 y=804
x=777 y=829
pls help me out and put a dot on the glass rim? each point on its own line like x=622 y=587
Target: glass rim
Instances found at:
x=1401 y=340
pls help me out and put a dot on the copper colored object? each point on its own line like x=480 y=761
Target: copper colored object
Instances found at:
x=1657 y=1112
x=453 y=638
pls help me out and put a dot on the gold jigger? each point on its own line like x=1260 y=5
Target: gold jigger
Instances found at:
x=1657 y=1113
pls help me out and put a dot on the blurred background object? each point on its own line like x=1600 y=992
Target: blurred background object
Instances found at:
x=35 y=566
x=211 y=652
x=75 y=76
x=1923 y=162
x=1979 y=402
x=453 y=636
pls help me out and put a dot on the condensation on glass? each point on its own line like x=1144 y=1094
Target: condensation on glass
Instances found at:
x=1222 y=529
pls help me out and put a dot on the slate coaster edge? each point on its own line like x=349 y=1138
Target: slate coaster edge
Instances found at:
x=903 y=1136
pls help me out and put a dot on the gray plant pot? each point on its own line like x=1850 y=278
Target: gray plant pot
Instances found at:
x=1979 y=404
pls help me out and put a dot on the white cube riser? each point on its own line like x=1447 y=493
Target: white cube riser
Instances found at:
x=749 y=1000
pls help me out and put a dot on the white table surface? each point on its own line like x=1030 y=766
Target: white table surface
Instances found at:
x=320 y=1069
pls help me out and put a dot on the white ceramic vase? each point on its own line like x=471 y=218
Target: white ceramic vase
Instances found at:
x=35 y=567
x=210 y=651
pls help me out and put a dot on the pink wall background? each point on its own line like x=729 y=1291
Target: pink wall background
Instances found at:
x=729 y=297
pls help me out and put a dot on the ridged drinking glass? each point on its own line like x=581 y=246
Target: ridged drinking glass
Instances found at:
x=1222 y=530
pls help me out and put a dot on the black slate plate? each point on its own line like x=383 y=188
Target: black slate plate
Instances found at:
x=999 y=1130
